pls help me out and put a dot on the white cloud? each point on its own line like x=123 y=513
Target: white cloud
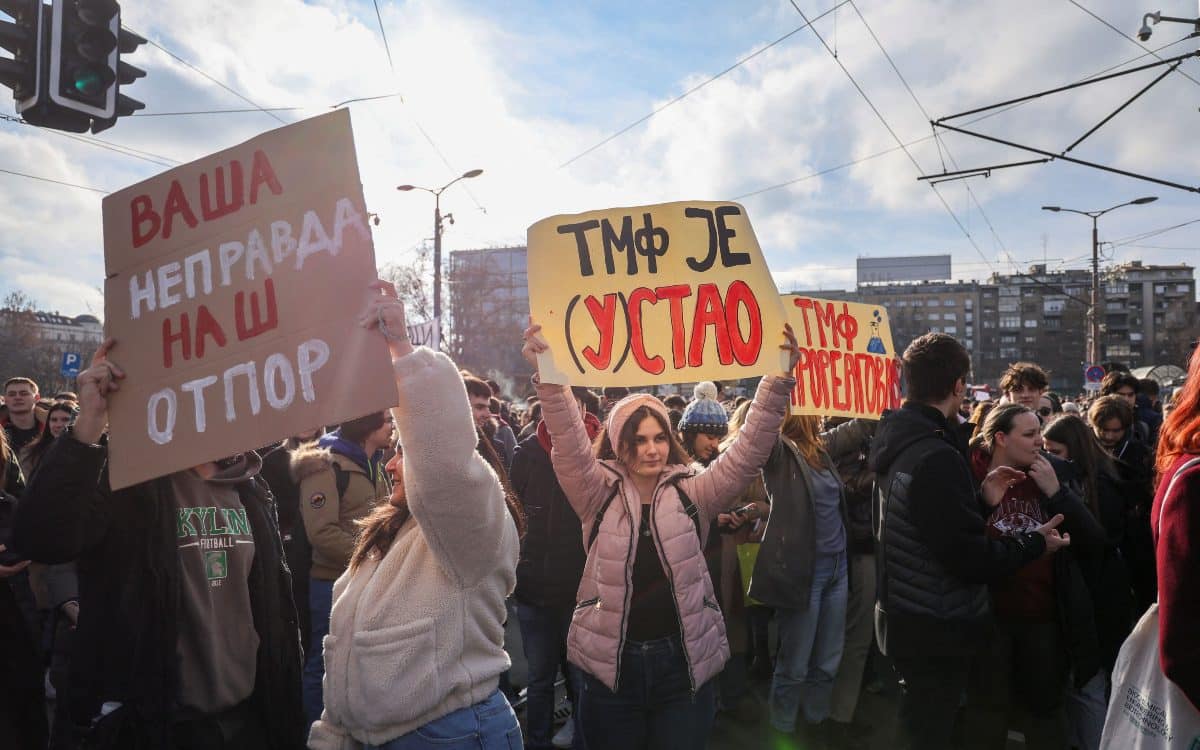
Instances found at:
x=469 y=80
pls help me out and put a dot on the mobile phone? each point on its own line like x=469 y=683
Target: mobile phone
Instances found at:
x=746 y=510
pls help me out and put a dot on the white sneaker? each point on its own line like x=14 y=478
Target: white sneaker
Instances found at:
x=565 y=736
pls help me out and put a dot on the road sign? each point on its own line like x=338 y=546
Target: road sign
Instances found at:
x=1093 y=374
x=72 y=362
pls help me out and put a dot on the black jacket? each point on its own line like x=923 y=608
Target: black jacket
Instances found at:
x=783 y=571
x=129 y=585
x=552 y=553
x=934 y=556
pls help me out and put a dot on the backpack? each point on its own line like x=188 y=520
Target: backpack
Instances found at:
x=688 y=506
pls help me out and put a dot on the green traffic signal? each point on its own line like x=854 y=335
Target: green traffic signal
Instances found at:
x=89 y=82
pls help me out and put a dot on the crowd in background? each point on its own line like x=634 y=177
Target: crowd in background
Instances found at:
x=670 y=562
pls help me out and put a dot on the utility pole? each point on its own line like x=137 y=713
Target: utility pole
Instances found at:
x=437 y=236
x=1093 y=346
x=1093 y=310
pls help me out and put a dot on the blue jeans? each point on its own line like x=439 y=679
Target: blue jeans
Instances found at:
x=653 y=708
x=320 y=602
x=488 y=725
x=544 y=636
x=810 y=648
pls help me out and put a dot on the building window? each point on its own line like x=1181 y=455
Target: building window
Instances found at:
x=950 y=316
x=1182 y=287
x=931 y=303
x=1008 y=352
x=989 y=324
x=949 y=303
x=1008 y=305
x=935 y=316
x=952 y=330
x=1010 y=321
x=969 y=304
x=1031 y=323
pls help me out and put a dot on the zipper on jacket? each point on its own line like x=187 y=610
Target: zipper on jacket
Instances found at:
x=633 y=530
x=671 y=584
x=589 y=602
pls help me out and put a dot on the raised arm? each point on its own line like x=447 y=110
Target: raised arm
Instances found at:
x=579 y=472
x=452 y=493
x=717 y=488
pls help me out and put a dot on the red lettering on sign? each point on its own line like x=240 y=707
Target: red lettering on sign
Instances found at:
x=604 y=317
x=259 y=323
x=261 y=173
x=745 y=348
x=141 y=211
x=176 y=204
x=675 y=294
x=654 y=365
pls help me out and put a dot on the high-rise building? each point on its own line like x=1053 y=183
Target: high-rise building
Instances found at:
x=489 y=310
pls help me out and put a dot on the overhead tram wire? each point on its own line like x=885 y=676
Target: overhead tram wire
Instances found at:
x=56 y=182
x=162 y=161
x=230 y=89
x=1152 y=233
x=892 y=132
x=885 y=152
x=986 y=219
x=383 y=34
x=1128 y=38
x=698 y=86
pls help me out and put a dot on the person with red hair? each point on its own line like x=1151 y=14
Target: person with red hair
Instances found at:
x=1175 y=521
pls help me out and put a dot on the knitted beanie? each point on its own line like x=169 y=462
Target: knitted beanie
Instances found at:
x=620 y=412
x=705 y=414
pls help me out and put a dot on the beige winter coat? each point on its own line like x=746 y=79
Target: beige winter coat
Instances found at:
x=419 y=633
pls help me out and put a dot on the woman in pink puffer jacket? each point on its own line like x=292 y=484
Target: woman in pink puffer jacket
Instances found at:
x=647 y=631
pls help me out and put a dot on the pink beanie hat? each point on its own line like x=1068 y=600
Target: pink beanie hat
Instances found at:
x=626 y=406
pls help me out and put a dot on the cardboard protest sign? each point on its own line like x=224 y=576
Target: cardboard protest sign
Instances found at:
x=847 y=366
x=671 y=293
x=233 y=287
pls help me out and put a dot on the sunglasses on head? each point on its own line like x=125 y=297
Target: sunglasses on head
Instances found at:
x=1045 y=411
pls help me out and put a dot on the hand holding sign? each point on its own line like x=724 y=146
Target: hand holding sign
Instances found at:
x=95 y=384
x=534 y=344
x=385 y=311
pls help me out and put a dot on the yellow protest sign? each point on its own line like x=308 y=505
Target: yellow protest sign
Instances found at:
x=847 y=366
x=670 y=293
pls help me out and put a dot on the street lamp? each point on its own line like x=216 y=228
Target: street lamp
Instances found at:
x=1093 y=317
x=437 y=235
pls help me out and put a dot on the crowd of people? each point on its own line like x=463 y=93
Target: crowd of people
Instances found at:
x=671 y=563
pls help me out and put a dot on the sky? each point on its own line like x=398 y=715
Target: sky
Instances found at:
x=532 y=92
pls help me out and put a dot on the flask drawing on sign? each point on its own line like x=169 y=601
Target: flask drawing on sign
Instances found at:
x=875 y=344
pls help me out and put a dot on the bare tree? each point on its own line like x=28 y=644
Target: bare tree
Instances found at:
x=22 y=351
x=414 y=284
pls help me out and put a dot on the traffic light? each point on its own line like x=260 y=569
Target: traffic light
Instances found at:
x=22 y=37
x=85 y=66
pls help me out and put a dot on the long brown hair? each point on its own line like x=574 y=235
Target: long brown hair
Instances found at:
x=1085 y=452
x=378 y=529
x=999 y=419
x=626 y=450
x=804 y=431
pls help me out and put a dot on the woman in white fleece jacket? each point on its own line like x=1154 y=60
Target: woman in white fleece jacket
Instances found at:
x=415 y=644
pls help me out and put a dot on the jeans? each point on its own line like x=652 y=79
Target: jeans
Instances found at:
x=320 y=603
x=653 y=707
x=810 y=648
x=490 y=724
x=1086 y=711
x=544 y=636
x=860 y=630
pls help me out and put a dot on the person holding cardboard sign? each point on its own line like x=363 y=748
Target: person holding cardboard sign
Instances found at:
x=188 y=637
x=647 y=631
x=415 y=645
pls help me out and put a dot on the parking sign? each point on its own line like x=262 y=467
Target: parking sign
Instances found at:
x=72 y=363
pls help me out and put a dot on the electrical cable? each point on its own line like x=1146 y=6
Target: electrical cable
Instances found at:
x=1151 y=233
x=698 y=86
x=916 y=141
x=383 y=34
x=56 y=182
x=1126 y=37
x=970 y=193
x=231 y=90
x=162 y=161
x=892 y=132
